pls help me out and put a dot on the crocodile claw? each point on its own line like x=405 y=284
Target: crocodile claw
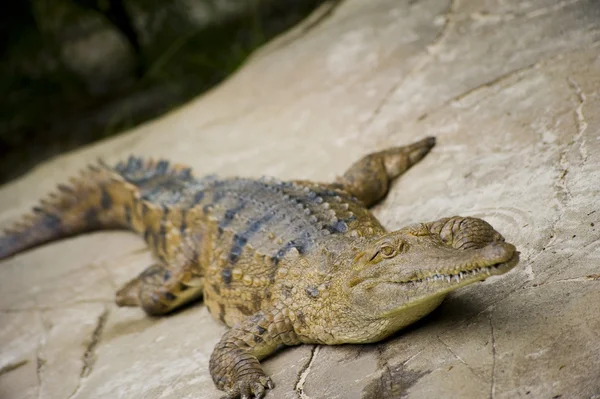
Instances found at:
x=250 y=387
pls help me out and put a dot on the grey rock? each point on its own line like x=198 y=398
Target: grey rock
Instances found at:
x=512 y=91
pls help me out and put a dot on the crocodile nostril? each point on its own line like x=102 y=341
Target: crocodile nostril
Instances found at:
x=498 y=251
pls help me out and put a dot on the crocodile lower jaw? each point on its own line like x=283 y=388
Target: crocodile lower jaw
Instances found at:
x=478 y=274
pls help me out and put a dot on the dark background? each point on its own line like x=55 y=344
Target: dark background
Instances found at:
x=76 y=71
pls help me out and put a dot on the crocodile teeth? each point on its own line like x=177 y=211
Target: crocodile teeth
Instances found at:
x=437 y=276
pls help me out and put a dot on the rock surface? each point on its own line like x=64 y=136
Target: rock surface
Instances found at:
x=512 y=91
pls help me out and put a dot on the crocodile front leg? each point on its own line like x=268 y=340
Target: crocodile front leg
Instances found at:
x=234 y=363
x=369 y=178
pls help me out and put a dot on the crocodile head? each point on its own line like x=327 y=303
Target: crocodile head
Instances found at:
x=403 y=275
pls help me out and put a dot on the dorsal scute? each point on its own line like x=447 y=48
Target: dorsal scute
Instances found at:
x=277 y=218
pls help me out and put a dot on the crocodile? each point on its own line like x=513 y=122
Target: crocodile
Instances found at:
x=280 y=262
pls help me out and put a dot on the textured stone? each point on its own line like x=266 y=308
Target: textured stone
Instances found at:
x=512 y=91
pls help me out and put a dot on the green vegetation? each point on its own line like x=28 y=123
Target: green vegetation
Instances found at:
x=75 y=71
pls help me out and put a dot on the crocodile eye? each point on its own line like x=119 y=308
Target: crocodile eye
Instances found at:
x=387 y=251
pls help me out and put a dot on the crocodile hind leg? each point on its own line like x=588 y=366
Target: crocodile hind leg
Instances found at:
x=369 y=178
x=159 y=290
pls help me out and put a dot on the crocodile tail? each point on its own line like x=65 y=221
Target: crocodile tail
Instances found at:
x=99 y=198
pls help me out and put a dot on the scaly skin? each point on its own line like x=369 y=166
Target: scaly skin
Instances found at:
x=279 y=262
